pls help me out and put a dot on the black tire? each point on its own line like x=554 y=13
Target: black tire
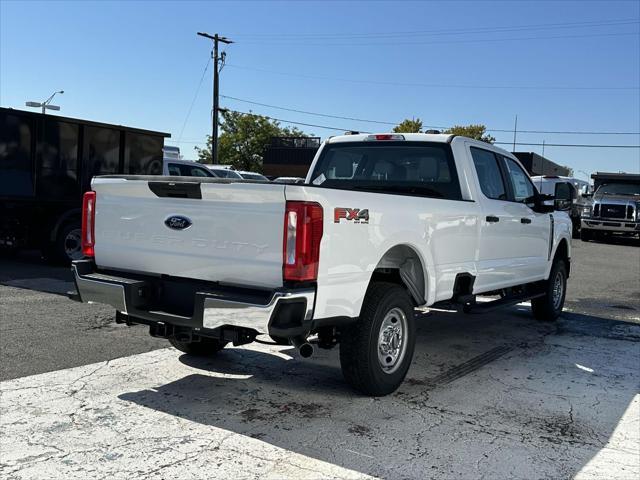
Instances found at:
x=206 y=347
x=359 y=343
x=67 y=246
x=549 y=307
x=280 y=340
x=575 y=227
x=586 y=234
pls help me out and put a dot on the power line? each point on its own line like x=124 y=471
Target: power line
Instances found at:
x=427 y=85
x=195 y=96
x=441 y=42
x=497 y=143
x=306 y=112
x=457 y=31
x=339 y=129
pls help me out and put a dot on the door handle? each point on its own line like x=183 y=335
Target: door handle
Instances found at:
x=525 y=220
x=492 y=219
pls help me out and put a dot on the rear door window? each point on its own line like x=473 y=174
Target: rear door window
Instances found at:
x=489 y=175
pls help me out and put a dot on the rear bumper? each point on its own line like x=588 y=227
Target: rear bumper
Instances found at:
x=604 y=225
x=282 y=312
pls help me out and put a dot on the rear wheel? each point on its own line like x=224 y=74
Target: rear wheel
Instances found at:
x=205 y=347
x=549 y=307
x=376 y=351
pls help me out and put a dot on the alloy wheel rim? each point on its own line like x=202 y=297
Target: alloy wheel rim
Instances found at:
x=558 y=290
x=392 y=343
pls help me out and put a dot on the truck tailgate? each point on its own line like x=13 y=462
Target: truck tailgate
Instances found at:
x=222 y=232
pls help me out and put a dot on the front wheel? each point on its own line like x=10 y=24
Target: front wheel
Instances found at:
x=206 y=347
x=376 y=351
x=549 y=307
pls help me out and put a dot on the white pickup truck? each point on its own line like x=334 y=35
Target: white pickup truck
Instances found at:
x=383 y=224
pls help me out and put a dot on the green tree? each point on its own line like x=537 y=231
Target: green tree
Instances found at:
x=479 y=132
x=413 y=125
x=243 y=140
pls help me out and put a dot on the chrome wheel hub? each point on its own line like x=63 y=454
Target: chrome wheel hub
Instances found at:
x=73 y=244
x=391 y=340
x=558 y=290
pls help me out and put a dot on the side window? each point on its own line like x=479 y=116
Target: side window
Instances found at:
x=520 y=181
x=489 y=174
x=174 y=169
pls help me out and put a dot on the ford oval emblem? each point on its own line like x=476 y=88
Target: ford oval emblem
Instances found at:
x=177 y=222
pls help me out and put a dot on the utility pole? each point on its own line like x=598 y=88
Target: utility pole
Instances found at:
x=214 y=111
x=515 y=129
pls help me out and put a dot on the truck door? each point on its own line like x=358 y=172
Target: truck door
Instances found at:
x=498 y=249
x=512 y=248
x=535 y=228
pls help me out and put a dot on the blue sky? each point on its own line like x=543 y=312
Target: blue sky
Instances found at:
x=558 y=65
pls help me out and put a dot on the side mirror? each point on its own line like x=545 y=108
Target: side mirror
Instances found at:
x=563 y=197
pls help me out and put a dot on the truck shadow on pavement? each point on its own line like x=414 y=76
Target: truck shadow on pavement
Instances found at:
x=29 y=271
x=498 y=395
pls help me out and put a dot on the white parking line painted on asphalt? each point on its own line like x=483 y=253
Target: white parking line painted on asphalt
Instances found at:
x=259 y=413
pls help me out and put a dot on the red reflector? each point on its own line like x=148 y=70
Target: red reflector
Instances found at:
x=88 y=223
x=301 y=243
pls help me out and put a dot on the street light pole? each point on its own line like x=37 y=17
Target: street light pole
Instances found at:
x=216 y=103
x=46 y=104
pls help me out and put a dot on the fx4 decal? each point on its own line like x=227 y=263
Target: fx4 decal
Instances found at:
x=354 y=215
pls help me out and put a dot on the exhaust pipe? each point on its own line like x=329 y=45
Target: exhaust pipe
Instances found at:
x=304 y=348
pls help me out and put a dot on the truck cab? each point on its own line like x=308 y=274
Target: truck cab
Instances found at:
x=615 y=207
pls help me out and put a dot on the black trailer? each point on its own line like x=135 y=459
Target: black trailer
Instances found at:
x=46 y=165
x=289 y=156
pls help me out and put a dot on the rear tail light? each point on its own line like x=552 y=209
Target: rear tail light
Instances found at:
x=88 y=223
x=301 y=246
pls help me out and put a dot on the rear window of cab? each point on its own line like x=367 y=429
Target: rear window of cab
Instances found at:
x=400 y=167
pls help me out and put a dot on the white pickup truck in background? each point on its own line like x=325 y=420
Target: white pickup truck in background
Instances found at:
x=383 y=224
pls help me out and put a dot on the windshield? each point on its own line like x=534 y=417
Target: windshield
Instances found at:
x=413 y=168
x=620 y=188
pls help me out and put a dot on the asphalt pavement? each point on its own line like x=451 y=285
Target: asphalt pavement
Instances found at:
x=495 y=396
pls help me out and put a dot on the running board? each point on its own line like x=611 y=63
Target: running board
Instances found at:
x=484 y=307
